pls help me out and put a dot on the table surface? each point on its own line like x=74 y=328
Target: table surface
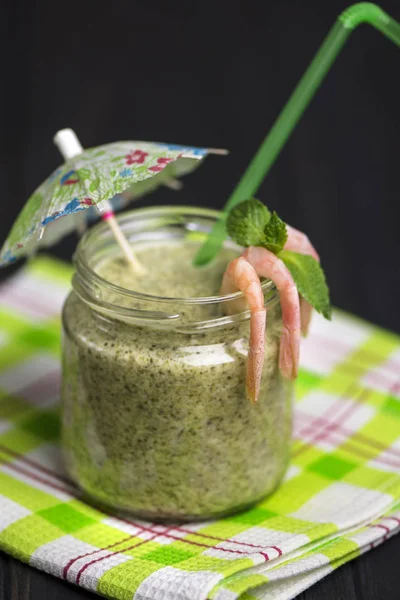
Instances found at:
x=373 y=576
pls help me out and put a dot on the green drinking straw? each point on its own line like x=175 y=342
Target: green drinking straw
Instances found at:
x=364 y=12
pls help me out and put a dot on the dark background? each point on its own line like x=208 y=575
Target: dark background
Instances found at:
x=217 y=74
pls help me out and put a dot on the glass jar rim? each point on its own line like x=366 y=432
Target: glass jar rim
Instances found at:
x=88 y=279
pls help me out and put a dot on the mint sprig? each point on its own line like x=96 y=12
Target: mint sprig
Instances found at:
x=250 y=223
x=246 y=222
x=275 y=234
x=309 y=279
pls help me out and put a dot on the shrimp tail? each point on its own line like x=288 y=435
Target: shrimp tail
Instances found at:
x=255 y=359
x=289 y=353
x=241 y=275
x=268 y=265
x=298 y=242
x=306 y=311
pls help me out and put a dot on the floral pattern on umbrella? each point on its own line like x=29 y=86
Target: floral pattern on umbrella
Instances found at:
x=90 y=179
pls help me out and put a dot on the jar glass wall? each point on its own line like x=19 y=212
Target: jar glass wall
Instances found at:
x=155 y=416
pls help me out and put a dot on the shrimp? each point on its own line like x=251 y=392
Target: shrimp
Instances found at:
x=268 y=265
x=299 y=242
x=240 y=275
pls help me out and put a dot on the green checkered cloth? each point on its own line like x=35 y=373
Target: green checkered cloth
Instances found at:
x=340 y=497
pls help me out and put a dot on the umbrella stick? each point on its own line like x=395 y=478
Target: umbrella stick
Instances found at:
x=220 y=151
x=69 y=145
x=173 y=184
x=123 y=243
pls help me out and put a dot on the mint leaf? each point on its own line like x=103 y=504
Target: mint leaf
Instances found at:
x=246 y=223
x=309 y=279
x=275 y=234
x=251 y=224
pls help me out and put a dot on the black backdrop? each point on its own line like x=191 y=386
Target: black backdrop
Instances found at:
x=216 y=74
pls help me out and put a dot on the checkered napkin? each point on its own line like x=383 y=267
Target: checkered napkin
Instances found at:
x=341 y=495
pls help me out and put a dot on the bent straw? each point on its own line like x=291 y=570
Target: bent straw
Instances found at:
x=69 y=146
x=364 y=12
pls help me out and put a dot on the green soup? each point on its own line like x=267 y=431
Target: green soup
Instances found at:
x=155 y=418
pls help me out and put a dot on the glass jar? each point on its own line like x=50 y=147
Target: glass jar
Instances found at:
x=155 y=417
